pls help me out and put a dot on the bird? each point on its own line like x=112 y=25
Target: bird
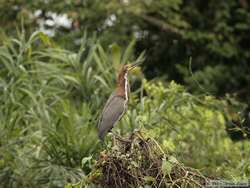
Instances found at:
x=117 y=103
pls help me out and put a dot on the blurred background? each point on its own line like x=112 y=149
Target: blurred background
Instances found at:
x=58 y=63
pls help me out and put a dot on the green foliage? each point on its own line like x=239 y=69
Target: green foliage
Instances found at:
x=214 y=34
x=50 y=103
x=46 y=126
x=193 y=128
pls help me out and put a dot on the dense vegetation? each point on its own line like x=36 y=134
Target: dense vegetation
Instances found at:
x=50 y=101
x=214 y=34
x=191 y=93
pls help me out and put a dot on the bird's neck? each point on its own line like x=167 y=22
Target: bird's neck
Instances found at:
x=122 y=89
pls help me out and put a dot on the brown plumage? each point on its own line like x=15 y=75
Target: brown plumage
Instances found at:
x=116 y=105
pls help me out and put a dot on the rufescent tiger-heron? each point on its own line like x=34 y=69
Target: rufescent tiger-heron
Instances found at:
x=117 y=103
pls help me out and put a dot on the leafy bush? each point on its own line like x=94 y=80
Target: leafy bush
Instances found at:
x=193 y=128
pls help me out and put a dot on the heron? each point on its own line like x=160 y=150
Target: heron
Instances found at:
x=116 y=105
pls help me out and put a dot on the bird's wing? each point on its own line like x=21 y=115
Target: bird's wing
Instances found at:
x=105 y=106
x=109 y=99
x=112 y=112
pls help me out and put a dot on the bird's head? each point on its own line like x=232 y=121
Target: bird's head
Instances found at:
x=125 y=69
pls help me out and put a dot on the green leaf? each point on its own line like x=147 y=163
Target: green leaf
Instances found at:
x=72 y=79
x=86 y=159
x=45 y=39
x=149 y=178
x=68 y=186
x=116 y=54
x=102 y=81
x=135 y=164
x=172 y=159
x=128 y=52
x=166 y=167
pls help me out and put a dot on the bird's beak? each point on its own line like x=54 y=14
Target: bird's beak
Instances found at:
x=131 y=66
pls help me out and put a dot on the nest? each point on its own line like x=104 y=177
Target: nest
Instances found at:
x=139 y=161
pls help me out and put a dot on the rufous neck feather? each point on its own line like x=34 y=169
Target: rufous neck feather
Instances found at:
x=121 y=85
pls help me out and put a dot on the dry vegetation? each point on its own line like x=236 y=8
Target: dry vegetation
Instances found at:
x=139 y=161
